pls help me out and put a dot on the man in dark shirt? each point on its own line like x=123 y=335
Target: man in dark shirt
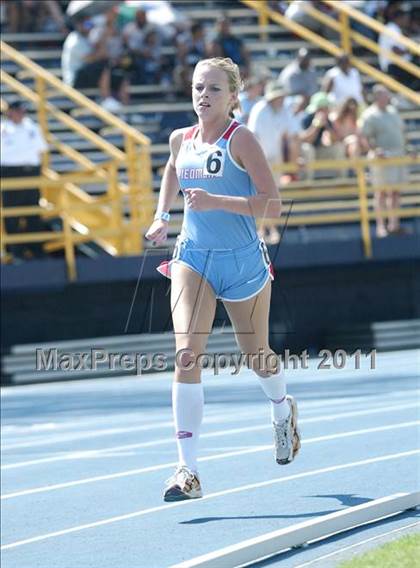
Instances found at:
x=225 y=44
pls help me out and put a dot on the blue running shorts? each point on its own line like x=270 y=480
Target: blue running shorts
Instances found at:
x=234 y=275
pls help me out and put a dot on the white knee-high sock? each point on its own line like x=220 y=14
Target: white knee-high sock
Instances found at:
x=187 y=406
x=275 y=389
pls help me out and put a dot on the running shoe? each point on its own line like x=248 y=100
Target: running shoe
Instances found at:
x=183 y=484
x=287 y=436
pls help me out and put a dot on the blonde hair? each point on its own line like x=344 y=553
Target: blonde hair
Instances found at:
x=232 y=71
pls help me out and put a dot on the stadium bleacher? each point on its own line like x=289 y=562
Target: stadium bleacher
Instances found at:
x=156 y=110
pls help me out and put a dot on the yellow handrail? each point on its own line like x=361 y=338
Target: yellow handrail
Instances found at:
x=343 y=7
x=351 y=204
x=331 y=48
x=347 y=34
x=75 y=96
x=79 y=210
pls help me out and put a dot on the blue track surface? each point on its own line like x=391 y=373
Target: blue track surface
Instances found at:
x=84 y=465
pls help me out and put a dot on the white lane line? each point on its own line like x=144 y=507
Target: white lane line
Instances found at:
x=50 y=437
x=223 y=493
x=360 y=543
x=213 y=457
x=83 y=454
x=221 y=418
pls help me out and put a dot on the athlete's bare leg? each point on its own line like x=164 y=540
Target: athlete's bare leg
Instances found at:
x=250 y=320
x=193 y=305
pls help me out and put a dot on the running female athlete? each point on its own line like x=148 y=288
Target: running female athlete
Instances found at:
x=227 y=184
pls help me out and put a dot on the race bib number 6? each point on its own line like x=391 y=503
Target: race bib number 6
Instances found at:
x=215 y=163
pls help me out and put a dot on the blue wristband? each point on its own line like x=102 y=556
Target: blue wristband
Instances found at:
x=162 y=216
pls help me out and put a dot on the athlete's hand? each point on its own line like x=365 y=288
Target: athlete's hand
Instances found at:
x=157 y=232
x=199 y=199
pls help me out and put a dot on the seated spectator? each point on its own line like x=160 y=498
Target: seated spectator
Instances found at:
x=21 y=148
x=343 y=81
x=191 y=47
x=135 y=32
x=298 y=78
x=106 y=37
x=83 y=65
x=320 y=141
x=298 y=11
x=345 y=124
x=225 y=44
x=273 y=124
x=384 y=131
x=144 y=41
x=249 y=96
x=398 y=24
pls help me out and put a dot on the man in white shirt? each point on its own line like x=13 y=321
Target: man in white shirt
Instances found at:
x=343 y=81
x=276 y=129
x=85 y=65
x=21 y=148
x=273 y=124
x=397 y=24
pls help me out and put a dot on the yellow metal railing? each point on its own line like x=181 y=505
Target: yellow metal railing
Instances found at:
x=114 y=220
x=360 y=209
x=347 y=36
x=349 y=200
x=351 y=203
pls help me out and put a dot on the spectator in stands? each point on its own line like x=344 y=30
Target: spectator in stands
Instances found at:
x=398 y=24
x=298 y=78
x=343 y=81
x=344 y=120
x=191 y=47
x=384 y=131
x=22 y=145
x=134 y=32
x=82 y=65
x=252 y=93
x=225 y=44
x=320 y=141
x=144 y=41
x=106 y=37
x=273 y=124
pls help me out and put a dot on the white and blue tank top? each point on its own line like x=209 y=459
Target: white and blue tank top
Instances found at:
x=211 y=167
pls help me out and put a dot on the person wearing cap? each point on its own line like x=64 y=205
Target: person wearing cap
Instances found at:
x=21 y=148
x=384 y=131
x=298 y=77
x=273 y=124
x=319 y=139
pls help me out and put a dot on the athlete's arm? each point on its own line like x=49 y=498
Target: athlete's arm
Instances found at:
x=169 y=189
x=248 y=153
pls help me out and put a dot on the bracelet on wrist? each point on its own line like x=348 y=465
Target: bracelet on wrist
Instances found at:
x=162 y=216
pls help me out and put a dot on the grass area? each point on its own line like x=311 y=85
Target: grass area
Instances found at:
x=401 y=553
